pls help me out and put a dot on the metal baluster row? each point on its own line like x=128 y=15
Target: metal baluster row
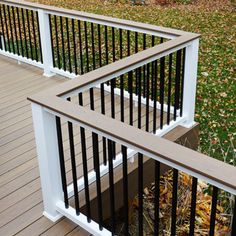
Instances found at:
x=96 y=155
x=20 y=31
x=158 y=82
x=80 y=46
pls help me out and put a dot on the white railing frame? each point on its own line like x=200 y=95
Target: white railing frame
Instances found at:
x=56 y=206
x=45 y=125
x=190 y=82
x=50 y=176
x=46 y=46
x=48 y=160
x=47 y=65
x=150 y=155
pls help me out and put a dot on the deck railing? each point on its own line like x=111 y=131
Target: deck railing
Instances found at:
x=70 y=42
x=147 y=75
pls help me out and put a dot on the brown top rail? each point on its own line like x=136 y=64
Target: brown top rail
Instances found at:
x=117 y=68
x=106 y=20
x=201 y=166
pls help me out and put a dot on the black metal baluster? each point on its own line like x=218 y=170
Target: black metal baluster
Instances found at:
x=139 y=97
x=174 y=202
x=121 y=43
x=136 y=71
x=57 y=43
x=111 y=187
x=128 y=43
x=74 y=46
x=130 y=85
x=87 y=65
x=162 y=79
x=99 y=45
x=2 y=28
x=113 y=44
x=62 y=43
x=157 y=198
x=62 y=161
x=39 y=37
x=29 y=33
x=11 y=30
x=102 y=95
x=80 y=49
x=91 y=94
x=233 y=226
x=147 y=97
x=7 y=32
x=34 y=34
x=122 y=115
x=140 y=193
x=104 y=146
x=193 y=206
x=20 y=33
x=85 y=167
x=87 y=57
x=125 y=190
x=106 y=45
x=144 y=68
x=68 y=44
x=177 y=83
x=52 y=44
x=112 y=98
x=112 y=83
x=25 y=36
x=86 y=46
x=93 y=47
x=122 y=110
x=155 y=98
x=169 y=89
x=182 y=82
x=73 y=165
x=15 y=31
x=152 y=74
x=98 y=183
x=213 y=211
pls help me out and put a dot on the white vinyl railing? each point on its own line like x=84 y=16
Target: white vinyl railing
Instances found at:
x=44 y=109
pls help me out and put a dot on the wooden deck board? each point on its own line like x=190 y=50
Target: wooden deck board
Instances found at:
x=20 y=194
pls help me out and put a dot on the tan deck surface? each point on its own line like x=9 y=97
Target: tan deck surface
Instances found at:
x=20 y=194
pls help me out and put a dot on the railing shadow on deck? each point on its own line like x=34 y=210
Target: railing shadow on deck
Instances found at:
x=148 y=72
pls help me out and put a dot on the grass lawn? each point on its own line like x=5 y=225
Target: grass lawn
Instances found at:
x=216 y=22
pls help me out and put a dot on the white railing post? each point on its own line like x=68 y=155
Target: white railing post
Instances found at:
x=45 y=36
x=190 y=82
x=48 y=160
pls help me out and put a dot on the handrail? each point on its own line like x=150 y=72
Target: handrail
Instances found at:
x=117 y=68
x=198 y=165
x=50 y=103
x=106 y=20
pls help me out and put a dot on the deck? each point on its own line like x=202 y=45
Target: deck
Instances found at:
x=21 y=204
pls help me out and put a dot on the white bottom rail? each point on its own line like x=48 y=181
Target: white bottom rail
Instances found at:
x=81 y=220
x=53 y=70
x=21 y=59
